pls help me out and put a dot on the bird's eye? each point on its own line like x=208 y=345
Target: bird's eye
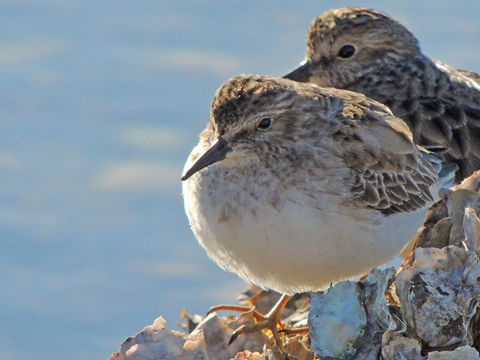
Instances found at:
x=346 y=51
x=264 y=124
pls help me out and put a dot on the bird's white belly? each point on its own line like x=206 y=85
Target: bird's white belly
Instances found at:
x=295 y=247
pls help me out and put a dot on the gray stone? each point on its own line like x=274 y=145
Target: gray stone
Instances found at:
x=398 y=347
x=461 y=353
x=337 y=321
x=439 y=294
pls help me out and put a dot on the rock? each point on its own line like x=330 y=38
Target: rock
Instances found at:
x=337 y=321
x=398 y=347
x=444 y=224
x=456 y=204
x=347 y=322
x=462 y=196
x=298 y=349
x=157 y=342
x=248 y=355
x=471 y=227
x=209 y=341
x=439 y=235
x=439 y=293
x=379 y=319
x=461 y=353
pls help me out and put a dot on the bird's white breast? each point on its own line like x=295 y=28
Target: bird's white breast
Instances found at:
x=290 y=242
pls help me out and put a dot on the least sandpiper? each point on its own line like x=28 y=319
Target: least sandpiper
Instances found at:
x=294 y=187
x=367 y=51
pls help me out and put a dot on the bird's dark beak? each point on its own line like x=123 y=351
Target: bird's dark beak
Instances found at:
x=215 y=153
x=301 y=73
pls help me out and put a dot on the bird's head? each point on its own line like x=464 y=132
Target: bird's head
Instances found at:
x=256 y=118
x=345 y=44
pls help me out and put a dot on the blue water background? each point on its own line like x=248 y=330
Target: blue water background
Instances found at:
x=100 y=104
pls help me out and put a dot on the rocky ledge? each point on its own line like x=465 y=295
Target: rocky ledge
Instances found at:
x=427 y=309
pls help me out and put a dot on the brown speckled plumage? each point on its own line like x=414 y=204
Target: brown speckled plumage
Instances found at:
x=440 y=104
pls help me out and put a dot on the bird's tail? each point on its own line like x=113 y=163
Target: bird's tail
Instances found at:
x=446 y=171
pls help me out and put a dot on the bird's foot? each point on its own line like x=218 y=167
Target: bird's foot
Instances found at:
x=294 y=331
x=238 y=308
x=270 y=321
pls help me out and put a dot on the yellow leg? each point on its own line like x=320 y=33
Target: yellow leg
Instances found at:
x=296 y=331
x=238 y=308
x=269 y=321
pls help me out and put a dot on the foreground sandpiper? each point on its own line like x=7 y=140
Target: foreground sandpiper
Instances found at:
x=294 y=187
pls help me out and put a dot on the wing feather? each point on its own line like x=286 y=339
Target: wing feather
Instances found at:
x=391 y=174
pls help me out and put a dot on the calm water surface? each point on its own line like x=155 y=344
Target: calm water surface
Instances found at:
x=100 y=104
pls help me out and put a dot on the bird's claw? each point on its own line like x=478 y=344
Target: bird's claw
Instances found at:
x=235 y=334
